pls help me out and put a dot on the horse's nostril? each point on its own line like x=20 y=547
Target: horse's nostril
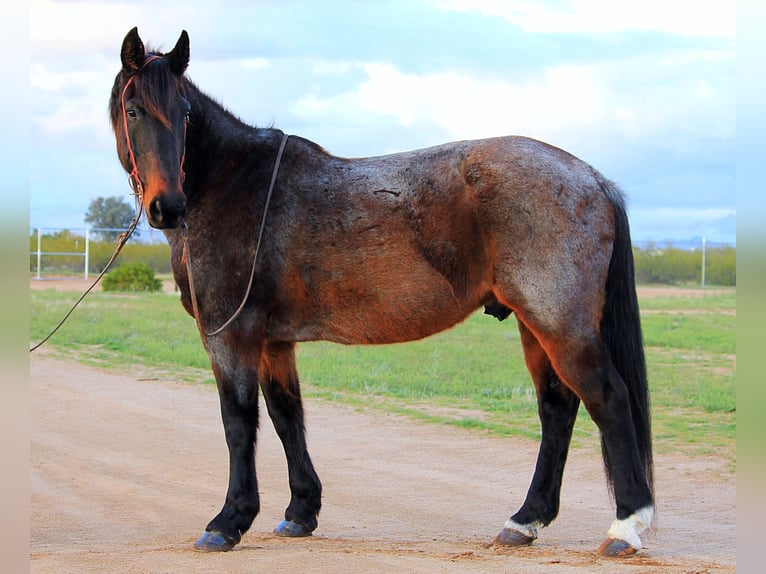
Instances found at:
x=155 y=210
x=166 y=213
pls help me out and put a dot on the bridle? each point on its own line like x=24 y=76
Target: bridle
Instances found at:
x=134 y=177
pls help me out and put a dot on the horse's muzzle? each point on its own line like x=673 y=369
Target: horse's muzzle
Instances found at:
x=165 y=212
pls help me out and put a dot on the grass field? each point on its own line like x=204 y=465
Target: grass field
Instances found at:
x=472 y=376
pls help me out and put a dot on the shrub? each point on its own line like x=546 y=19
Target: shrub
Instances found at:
x=722 y=266
x=133 y=277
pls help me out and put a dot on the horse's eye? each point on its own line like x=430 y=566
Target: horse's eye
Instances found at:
x=132 y=114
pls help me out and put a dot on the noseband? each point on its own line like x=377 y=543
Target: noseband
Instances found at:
x=134 y=178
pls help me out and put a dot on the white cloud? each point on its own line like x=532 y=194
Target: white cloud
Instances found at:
x=570 y=106
x=72 y=104
x=564 y=98
x=711 y=18
x=82 y=27
x=331 y=68
x=253 y=63
x=60 y=27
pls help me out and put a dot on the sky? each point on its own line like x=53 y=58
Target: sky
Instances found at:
x=643 y=91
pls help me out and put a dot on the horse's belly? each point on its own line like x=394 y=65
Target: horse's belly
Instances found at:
x=379 y=328
x=401 y=312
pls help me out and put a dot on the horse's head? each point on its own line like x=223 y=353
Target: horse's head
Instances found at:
x=149 y=113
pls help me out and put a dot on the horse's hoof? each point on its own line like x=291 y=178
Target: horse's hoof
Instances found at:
x=290 y=529
x=214 y=542
x=614 y=548
x=512 y=537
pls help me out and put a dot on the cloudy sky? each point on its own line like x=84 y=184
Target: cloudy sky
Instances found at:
x=644 y=91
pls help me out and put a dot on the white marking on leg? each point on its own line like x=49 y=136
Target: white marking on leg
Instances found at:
x=529 y=530
x=629 y=529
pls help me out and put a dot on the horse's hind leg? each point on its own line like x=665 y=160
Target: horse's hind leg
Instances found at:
x=281 y=391
x=557 y=407
x=584 y=365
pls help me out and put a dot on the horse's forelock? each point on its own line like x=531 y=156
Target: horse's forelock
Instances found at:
x=159 y=88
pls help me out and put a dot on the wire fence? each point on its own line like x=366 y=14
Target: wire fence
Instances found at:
x=57 y=253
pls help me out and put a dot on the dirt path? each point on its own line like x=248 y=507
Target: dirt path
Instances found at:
x=126 y=473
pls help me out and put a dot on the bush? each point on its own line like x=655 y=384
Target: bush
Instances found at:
x=132 y=277
x=722 y=266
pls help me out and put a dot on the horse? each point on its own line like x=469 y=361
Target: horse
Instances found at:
x=274 y=241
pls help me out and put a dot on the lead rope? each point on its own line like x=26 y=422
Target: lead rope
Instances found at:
x=186 y=256
x=121 y=241
x=134 y=181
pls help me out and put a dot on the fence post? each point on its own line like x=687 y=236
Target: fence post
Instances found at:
x=87 y=252
x=39 y=251
x=704 y=246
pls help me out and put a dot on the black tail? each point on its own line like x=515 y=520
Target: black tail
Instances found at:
x=621 y=330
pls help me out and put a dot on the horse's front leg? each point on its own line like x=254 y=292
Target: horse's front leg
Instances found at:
x=237 y=382
x=281 y=390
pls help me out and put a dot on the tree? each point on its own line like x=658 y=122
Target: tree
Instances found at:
x=110 y=213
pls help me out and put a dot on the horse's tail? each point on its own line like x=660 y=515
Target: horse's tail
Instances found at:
x=621 y=331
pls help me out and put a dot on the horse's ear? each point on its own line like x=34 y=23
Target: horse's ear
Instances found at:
x=178 y=57
x=133 y=52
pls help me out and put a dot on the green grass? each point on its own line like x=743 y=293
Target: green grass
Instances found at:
x=472 y=376
x=121 y=330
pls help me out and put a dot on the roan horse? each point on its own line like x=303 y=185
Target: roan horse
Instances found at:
x=383 y=250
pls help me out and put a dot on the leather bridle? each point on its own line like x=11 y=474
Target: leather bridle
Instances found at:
x=134 y=177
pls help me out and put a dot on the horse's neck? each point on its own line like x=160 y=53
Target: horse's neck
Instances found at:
x=212 y=138
x=219 y=121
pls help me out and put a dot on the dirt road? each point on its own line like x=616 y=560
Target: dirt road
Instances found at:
x=125 y=473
